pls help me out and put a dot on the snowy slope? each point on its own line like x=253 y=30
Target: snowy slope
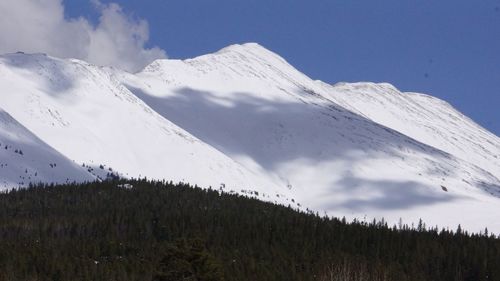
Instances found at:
x=24 y=158
x=245 y=119
x=87 y=115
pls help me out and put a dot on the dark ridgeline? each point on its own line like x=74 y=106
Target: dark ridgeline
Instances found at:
x=163 y=231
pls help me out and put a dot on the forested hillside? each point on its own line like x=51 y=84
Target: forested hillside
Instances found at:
x=143 y=230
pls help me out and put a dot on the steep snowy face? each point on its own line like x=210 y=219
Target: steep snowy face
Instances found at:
x=256 y=108
x=24 y=158
x=86 y=114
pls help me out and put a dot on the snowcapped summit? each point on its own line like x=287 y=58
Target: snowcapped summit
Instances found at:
x=227 y=67
x=244 y=120
x=252 y=50
x=245 y=48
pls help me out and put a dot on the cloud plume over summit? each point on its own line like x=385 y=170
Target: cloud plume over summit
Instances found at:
x=117 y=39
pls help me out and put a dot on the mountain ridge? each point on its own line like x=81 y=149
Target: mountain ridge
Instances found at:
x=244 y=120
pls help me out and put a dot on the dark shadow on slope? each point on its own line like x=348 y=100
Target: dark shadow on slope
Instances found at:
x=275 y=132
x=386 y=195
x=317 y=132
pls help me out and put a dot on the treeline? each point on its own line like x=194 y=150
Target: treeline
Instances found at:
x=164 y=231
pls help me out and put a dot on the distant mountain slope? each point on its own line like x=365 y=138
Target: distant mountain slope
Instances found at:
x=244 y=119
x=422 y=117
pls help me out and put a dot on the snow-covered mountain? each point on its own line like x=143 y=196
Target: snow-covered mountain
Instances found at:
x=86 y=114
x=245 y=120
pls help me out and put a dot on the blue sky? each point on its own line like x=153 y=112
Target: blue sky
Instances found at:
x=449 y=49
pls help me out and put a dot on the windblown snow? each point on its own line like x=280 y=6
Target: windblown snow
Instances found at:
x=243 y=120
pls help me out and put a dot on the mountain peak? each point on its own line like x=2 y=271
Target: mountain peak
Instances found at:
x=245 y=47
x=251 y=50
x=248 y=61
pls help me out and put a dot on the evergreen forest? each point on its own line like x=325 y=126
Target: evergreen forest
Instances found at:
x=156 y=230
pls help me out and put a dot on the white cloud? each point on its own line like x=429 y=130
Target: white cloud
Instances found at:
x=40 y=26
